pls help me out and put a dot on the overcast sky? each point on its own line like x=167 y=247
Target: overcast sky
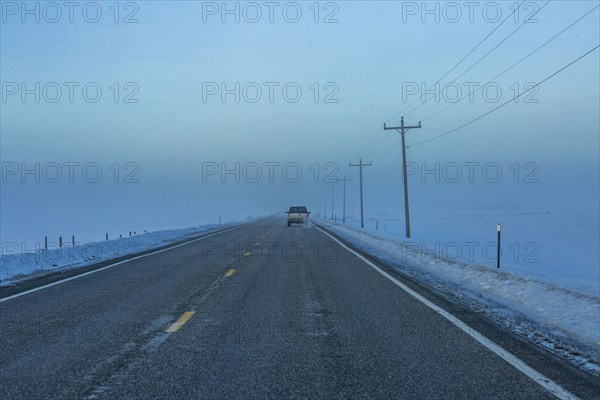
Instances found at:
x=314 y=91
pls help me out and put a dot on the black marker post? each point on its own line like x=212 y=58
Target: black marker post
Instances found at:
x=498 y=254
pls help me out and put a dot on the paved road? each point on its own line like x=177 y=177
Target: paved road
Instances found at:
x=261 y=311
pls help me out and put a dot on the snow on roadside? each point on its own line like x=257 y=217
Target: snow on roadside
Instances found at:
x=16 y=266
x=562 y=320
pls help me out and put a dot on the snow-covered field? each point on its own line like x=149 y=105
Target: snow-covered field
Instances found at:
x=17 y=266
x=556 y=247
x=550 y=293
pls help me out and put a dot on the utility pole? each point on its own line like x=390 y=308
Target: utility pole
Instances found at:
x=404 y=129
x=360 y=166
x=333 y=183
x=344 y=203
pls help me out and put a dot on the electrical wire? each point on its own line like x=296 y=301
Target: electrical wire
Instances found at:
x=481 y=59
x=505 y=103
x=511 y=67
x=462 y=59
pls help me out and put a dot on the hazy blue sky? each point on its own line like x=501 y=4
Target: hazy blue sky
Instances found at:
x=373 y=51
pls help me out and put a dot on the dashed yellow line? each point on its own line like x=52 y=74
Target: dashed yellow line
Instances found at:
x=175 y=326
x=229 y=273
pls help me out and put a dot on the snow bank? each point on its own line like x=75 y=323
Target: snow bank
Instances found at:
x=17 y=266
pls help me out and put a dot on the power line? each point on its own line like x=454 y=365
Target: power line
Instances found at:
x=512 y=66
x=505 y=103
x=484 y=56
x=505 y=39
x=391 y=150
x=374 y=147
x=502 y=73
x=385 y=166
x=362 y=152
x=370 y=142
x=462 y=59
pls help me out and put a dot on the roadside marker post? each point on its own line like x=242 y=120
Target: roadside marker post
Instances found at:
x=498 y=227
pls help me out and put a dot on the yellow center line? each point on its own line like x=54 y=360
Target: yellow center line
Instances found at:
x=229 y=273
x=175 y=326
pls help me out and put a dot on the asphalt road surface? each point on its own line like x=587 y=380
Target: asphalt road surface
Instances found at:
x=259 y=311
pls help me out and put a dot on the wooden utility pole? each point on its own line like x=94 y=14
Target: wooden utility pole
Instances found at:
x=404 y=129
x=360 y=166
x=344 y=203
x=333 y=183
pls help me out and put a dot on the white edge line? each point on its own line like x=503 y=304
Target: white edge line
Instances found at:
x=519 y=364
x=14 y=296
